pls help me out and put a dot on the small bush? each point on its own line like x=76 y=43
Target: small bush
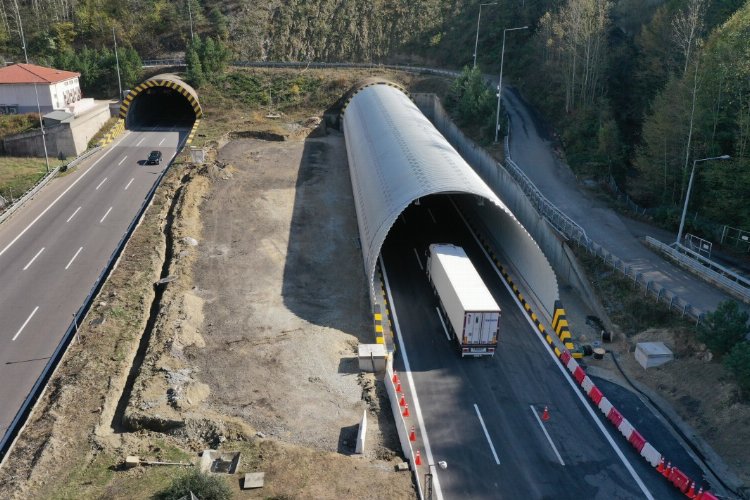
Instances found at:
x=738 y=362
x=204 y=486
x=723 y=328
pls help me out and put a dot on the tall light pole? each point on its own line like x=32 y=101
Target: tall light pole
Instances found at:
x=687 y=195
x=500 y=82
x=117 y=62
x=476 y=42
x=190 y=13
x=36 y=91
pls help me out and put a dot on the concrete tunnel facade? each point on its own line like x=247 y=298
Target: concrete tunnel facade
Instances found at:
x=396 y=156
x=161 y=99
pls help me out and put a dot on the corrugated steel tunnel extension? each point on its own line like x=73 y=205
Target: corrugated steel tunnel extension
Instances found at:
x=396 y=156
x=162 y=100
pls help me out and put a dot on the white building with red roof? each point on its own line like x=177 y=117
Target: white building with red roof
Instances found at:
x=57 y=89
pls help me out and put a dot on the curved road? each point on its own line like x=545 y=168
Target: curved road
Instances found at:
x=53 y=249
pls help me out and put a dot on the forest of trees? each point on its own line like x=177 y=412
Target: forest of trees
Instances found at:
x=636 y=89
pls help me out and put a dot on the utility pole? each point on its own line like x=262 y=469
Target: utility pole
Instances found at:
x=500 y=81
x=117 y=62
x=476 y=41
x=190 y=13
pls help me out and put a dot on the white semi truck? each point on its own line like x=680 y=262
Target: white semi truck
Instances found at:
x=473 y=315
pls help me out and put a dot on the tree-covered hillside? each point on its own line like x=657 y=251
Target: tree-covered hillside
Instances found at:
x=616 y=78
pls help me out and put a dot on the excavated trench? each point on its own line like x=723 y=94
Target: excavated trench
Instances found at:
x=119 y=424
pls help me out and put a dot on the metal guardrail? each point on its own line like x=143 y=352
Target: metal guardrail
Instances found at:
x=42 y=182
x=7 y=441
x=710 y=271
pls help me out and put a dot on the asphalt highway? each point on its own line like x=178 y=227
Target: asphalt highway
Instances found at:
x=481 y=416
x=53 y=249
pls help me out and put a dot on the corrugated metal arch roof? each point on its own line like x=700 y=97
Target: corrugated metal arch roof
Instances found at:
x=397 y=156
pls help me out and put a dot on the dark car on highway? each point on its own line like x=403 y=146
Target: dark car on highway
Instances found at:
x=154 y=158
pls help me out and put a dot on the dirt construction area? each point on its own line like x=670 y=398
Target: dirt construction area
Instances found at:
x=248 y=344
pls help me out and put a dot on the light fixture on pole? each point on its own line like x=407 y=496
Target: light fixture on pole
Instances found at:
x=476 y=42
x=500 y=82
x=687 y=195
x=117 y=62
x=36 y=91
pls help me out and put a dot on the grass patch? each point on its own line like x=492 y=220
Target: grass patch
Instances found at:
x=18 y=175
x=15 y=124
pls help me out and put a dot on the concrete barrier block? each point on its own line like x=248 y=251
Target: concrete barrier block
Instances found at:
x=361 y=434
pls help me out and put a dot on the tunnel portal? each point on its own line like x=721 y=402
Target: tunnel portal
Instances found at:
x=163 y=100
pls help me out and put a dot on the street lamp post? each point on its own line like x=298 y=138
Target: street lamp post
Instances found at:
x=117 y=62
x=476 y=42
x=687 y=195
x=500 y=82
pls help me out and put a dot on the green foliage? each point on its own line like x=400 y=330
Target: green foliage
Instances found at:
x=723 y=328
x=195 y=75
x=473 y=104
x=98 y=68
x=204 y=486
x=738 y=362
x=206 y=60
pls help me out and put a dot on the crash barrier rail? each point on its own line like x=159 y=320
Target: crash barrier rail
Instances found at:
x=8 y=440
x=712 y=272
x=43 y=182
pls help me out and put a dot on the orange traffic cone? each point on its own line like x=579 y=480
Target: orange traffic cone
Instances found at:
x=667 y=470
x=700 y=494
x=402 y=401
x=398 y=386
x=395 y=377
x=545 y=414
x=418 y=459
x=413 y=437
x=691 y=491
x=406 y=410
x=660 y=467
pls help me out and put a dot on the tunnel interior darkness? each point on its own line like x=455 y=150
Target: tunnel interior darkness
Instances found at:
x=160 y=106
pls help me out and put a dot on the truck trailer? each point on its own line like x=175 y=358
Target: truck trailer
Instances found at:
x=472 y=313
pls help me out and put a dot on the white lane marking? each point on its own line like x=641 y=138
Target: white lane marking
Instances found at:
x=432 y=216
x=105 y=215
x=162 y=141
x=74 y=258
x=487 y=434
x=33 y=259
x=565 y=375
x=544 y=429
x=74 y=214
x=139 y=142
x=412 y=388
x=100 y=184
x=123 y=159
x=447 y=335
x=129 y=183
x=25 y=323
x=416 y=254
x=53 y=203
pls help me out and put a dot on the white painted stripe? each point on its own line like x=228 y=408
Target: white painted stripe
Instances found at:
x=162 y=141
x=100 y=184
x=25 y=323
x=105 y=215
x=417 y=408
x=487 y=434
x=416 y=254
x=431 y=216
x=53 y=203
x=447 y=335
x=74 y=258
x=123 y=159
x=139 y=142
x=33 y=259
x=552 y=354
x=549 y=439
x=74 y=214
x=129 y=183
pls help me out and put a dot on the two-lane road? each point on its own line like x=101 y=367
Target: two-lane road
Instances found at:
x=483 y=416
x=53 y=249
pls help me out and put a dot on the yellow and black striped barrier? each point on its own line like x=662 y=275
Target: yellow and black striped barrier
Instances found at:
x=113 y=132
x=193 y=131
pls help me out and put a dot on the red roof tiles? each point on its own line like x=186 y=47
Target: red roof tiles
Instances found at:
x=30 y=73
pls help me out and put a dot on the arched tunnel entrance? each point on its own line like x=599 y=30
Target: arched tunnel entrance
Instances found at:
x=161 y=101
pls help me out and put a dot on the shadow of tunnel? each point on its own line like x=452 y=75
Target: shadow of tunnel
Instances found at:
x=160 y=107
